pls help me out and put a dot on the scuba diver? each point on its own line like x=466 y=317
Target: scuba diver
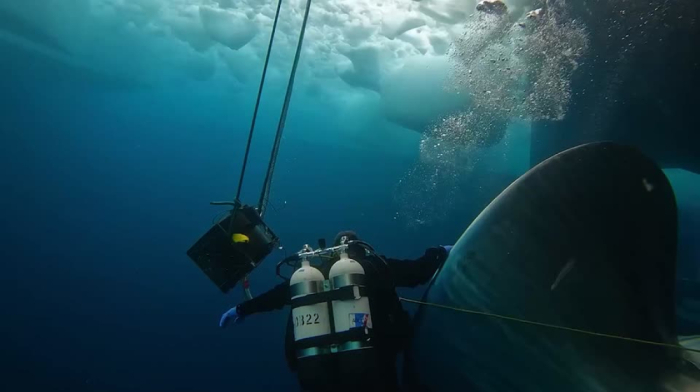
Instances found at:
x=361 y=353
x=346 y=327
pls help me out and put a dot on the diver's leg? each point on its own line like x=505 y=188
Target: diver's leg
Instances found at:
x=318 y=374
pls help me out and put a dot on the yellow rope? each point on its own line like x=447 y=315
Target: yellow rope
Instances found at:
x=523 y=321
x=689 y=339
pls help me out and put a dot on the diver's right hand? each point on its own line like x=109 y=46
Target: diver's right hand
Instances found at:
x=231 y=314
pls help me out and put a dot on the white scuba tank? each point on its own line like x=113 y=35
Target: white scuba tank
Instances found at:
x=355 y=312
x=310 y=320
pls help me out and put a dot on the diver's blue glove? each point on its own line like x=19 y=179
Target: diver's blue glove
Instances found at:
x=230 y=314
x=448 y=248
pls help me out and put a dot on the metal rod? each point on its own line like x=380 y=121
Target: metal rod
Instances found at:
x=264 y=195
x=257 y=101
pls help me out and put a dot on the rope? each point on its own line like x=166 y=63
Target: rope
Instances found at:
x=264 y=195
x=552 y=326
x=689 y=339
x=257 y=101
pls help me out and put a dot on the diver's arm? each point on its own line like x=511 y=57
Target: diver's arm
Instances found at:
x=275 y=298
x=411 y=273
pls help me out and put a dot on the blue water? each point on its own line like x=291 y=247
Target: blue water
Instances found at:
x=104 y=192
x=105 y=185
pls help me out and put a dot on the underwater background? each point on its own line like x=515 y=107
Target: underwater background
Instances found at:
x=121 y=120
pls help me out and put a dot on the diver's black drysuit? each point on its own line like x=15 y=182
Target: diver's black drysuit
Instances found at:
x=391 y=324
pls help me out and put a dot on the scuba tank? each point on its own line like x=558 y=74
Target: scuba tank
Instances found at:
x=310 y=320
x=350 y=313
x=330 y=316
x=340 y=352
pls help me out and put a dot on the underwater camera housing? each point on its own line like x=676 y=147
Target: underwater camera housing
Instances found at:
x=233 y=247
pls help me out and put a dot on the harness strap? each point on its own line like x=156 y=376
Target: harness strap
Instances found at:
x=342 y=294
x=338 y=338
